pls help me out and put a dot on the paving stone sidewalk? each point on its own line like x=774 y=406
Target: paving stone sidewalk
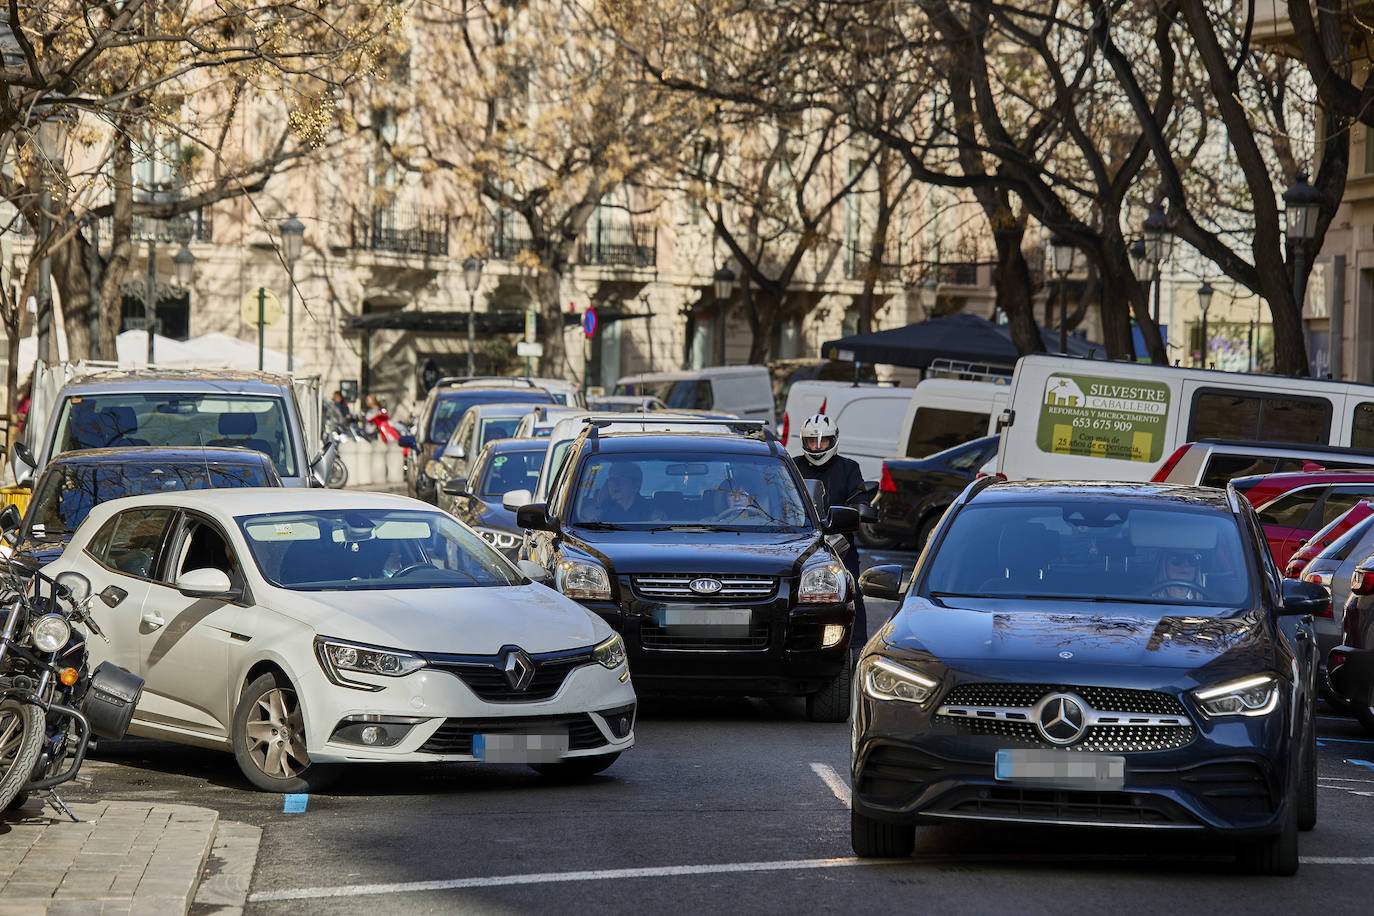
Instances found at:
x=124 y=857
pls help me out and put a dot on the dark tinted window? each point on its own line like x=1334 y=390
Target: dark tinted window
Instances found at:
x=130 y=540
x=692 y=394
x=510 y=471
x=1362 y=427
x=1291 y=509
x=934 y=429
x=1340 y=548
x=1260 y=418
x=1221 y=468
x=974 y=457
x=450 y=406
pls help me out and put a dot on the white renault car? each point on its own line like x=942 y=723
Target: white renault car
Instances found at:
x=307 y=627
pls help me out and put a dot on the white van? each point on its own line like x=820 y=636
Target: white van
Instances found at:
x=745 y=391
x=866 y=414
x=1076 y=419
x=946 y=412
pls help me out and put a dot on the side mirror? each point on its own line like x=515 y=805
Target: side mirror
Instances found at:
x=841 y=520
x=458 y=486
x=1300 y=597
x=514 y=499
x=882 y=582
x=23 y=464
x=10 y=518
x=206 y=583
x=870 y=486
x=408 y=441
x=323 y=464
x=76 y=587
x=456 y=450
x=867 y=513
x=535 y=517
x=534 y=572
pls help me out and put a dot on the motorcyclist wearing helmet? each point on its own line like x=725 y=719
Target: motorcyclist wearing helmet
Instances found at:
x=844 y=486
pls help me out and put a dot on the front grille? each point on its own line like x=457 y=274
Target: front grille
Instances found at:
x=485 y=674
x=455 y=735
x=677 y=587
x=1128 y=738
x=1120 y=809
x=1104 y=699
x=654 y=636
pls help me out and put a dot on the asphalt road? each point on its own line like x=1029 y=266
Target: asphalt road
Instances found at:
x=724 y=806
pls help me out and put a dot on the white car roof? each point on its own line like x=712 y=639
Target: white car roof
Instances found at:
x=245 y=501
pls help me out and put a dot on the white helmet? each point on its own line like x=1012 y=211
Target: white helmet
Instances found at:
x=820 y=438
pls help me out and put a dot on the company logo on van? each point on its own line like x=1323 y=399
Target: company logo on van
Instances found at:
x=1103 y=418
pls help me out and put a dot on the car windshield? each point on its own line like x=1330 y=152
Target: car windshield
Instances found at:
x=497 y=428
x=68 y=492
x=178 y=419
x=369 y=549
x=1093 y=550
x=512 y=470
x=737 y=492
x=451 y=406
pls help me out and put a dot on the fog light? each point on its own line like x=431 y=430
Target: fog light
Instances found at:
x=373 y=735
x=832 y=635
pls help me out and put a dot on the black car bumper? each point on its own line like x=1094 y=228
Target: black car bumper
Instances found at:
x=780 y=653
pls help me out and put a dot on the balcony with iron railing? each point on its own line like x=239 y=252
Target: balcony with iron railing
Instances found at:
x=858 y=258
x=606 y=246
x=401 y=230
x=955 y=273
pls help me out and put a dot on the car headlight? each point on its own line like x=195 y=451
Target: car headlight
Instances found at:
x=822 y=584
x=50 y=632
x=336 y=656
x=611 y=653
x=1256 y=695
x=501 y=540
x=579 y=579
x=886 y=680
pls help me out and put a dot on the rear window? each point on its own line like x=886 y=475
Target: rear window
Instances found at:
x=1221 y=414
x=935 y=429
x=1221 y=468
x=1362 y=426
x=1343 y=546
x=451 y=405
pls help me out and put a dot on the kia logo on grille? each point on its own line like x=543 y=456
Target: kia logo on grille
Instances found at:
x=704 y=586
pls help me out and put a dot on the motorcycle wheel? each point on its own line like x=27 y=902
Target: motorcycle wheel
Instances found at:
x=338 y=477
x=21 y=740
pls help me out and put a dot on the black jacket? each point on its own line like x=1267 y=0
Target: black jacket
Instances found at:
x=842 y=479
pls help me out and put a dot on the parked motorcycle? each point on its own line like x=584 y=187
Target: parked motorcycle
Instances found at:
x=51 y=703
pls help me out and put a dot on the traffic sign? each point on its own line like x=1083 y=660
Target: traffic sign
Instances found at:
x=589 y=322
x=271 y=307
x=525 y=348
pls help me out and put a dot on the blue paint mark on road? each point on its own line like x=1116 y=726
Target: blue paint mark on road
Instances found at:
x=1346 y=740
x=1360 y=763
x=295 y=804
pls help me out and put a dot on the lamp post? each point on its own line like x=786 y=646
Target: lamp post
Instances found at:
x=1155 y=243
x=472 y=276
x=1204 y=300
x=1301 y=207
x=292 y=235
x=1061 y=262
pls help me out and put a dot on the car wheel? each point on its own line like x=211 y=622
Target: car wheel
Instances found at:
x=1307 y=780
x=831 y=702
x=1277 y=854
x=1362 y=705
x=269 y=737
x=927 y=529
x=1337 y=704
x=870 y=538
x=874 y=839
x=575 y=767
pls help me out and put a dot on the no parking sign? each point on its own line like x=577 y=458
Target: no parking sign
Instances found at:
x=589 y=322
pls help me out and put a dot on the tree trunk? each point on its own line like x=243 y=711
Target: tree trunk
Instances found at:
x=71 y=273
x=121 y=244
x=1012 y=281
x=554 y=362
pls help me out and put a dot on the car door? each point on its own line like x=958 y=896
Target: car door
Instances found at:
x=123 y=554
x=188 y=645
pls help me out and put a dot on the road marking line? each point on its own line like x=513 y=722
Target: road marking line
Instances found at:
x=838 y=787
x=1336 y=860
x=1360 y=763
x=1346 y=740
x=604 y=874
x=1342 y=779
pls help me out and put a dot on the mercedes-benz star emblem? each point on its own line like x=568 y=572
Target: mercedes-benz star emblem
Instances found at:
x=519 y=669
x=1066 y=654
x=1061 y=718
x=705 y=585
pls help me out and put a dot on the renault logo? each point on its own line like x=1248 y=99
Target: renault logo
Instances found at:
x=519 y=669
x=1060 y=717
x=705 y=585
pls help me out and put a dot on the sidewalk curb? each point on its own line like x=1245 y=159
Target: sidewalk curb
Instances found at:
x=228 y=872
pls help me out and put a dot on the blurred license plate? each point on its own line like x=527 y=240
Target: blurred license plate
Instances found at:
x=519 y=748
x=712 y=617
x=1068 y=769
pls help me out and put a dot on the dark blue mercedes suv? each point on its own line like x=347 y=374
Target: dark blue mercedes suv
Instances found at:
x=1104 y=655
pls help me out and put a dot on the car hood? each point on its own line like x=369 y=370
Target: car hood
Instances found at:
x=726 y=552
x=1154 y=636
x=472 y=621
x=494 y=515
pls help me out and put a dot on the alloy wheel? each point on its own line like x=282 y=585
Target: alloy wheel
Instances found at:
x=275 y=734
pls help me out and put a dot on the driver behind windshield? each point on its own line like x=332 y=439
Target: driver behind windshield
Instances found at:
x=1177 y=575
x=620 y=499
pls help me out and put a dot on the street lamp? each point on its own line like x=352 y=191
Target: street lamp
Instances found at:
x=1155 y=245
x=185 y=264
x=1061 y=262
x=724 y=284
x=1204 y=300
x=292 y=235
x=472 y=276
x=1301 y=207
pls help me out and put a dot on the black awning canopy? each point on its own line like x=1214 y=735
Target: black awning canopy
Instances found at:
x=962 y=337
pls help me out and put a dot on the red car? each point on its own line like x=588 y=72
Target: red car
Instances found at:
x=1294 y=506
x=1326 y=537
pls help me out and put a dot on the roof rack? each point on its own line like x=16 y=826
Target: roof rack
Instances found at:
x=960 y=369
x=511 y=380
x=741 y=426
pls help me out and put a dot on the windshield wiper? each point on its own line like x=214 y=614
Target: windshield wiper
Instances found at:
x=47 y=534
x=599 y=526
x=692 y=527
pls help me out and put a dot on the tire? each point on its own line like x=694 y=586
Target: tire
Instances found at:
x=1277 y=854
x=17 y=802
x=1338 y=705
x=831 y=702
x=269 y=740
x=1307 y=780
x=338 y=475
x=926 y=530
x=576 y=767
x=21 y=740
x=873 y=839
x=1362 y=705
x=870 y=538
